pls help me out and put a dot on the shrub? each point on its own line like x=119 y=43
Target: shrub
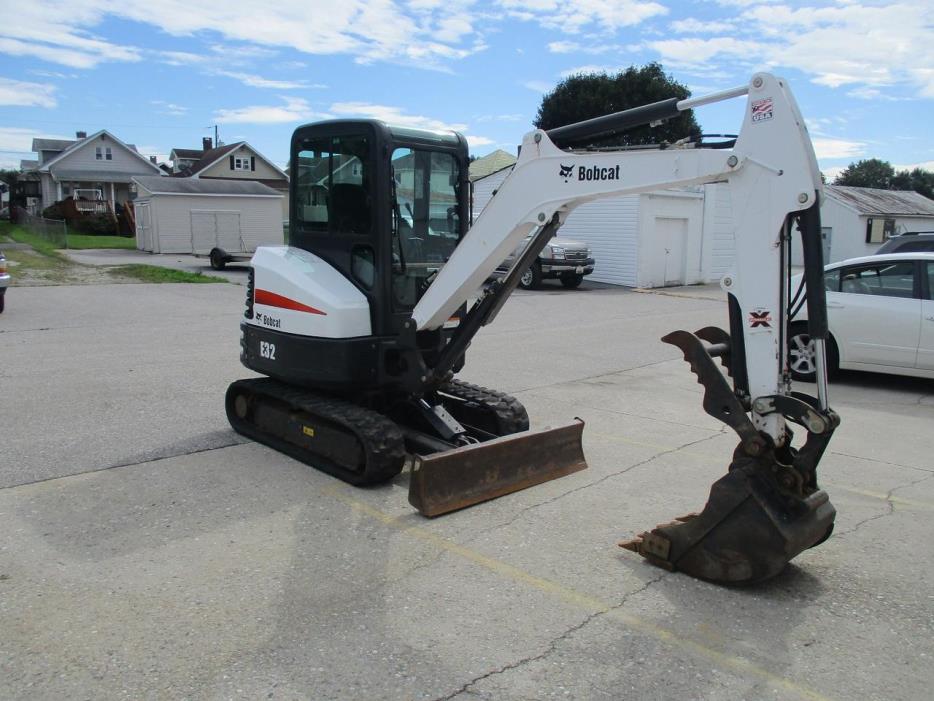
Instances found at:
x=54 y=211
x=96 y=225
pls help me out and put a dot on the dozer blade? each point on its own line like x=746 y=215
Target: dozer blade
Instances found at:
x=748 y=531
x=460 y=477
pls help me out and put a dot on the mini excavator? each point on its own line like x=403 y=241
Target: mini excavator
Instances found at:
x=362 y=323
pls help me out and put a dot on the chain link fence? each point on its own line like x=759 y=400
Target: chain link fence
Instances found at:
x=53 y=230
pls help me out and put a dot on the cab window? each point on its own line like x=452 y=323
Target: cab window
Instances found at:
x=425 y=219
x=832 y=280
x=891 y=279
x=333 y=185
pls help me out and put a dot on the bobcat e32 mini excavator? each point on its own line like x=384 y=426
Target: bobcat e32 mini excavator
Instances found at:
x=363 y=321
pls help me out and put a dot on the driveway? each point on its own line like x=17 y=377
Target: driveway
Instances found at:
x=150 y=552
x=234 y=272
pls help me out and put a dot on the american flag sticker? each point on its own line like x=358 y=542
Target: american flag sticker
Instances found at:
x=762 y=110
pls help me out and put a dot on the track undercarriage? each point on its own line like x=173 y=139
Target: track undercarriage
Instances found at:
x=362 y=446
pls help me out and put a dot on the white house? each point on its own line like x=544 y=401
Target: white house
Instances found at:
x=857 y=220
x=668 y=237
x=188 y=215
x=98 y=163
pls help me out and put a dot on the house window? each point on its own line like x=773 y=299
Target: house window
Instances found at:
x=879 y=229
x=98 y=153
x=108 y=156
x=242 y=163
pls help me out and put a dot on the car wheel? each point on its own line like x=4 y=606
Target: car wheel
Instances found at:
x=572 y=281
x=218 y=261
x=801 y=357
x=532 y=278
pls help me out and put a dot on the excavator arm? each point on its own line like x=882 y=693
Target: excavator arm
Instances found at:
x=768 y=508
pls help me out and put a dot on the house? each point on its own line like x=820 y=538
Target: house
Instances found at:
x=490 y=163
x=191 y=215
x=237 y=161
x=656 y=239
x=857 y=220
x=100 y=164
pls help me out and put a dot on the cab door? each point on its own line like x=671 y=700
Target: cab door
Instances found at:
x=926 y=347
x=876 y=316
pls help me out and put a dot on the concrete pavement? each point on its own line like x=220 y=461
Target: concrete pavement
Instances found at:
x=149 y=552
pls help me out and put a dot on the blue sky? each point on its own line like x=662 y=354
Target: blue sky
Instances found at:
x=161 y=73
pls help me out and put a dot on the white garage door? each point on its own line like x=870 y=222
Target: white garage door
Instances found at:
x=215 y=229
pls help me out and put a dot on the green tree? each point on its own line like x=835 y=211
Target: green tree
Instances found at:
x=868 y=173
x=917 y=179
x=587 y=95
x=9 y=176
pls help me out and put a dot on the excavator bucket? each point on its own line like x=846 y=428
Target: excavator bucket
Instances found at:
x=748 y=531
x=453 y=479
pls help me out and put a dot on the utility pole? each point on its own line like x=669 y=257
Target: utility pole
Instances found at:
x=217 y=141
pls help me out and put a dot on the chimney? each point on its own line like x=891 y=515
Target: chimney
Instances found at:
x=81 y=134
x=152 y=159
x=206 y=143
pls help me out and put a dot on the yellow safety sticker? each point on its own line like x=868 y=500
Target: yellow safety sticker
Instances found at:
x=308 y=431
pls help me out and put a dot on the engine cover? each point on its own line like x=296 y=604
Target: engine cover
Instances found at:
x=296 y=292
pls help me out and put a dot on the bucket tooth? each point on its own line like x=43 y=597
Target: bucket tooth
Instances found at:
x=457 y=478
x=748 y=531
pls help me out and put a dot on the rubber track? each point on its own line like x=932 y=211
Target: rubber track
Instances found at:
x=511 y=416
x=381 y=439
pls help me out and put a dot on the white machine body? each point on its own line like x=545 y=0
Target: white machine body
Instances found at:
x=299 y=293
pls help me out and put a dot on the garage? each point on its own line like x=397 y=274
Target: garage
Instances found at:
x=186 y=215
x=656 y=239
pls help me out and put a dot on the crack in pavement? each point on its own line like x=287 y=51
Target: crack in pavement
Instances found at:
x=882 y=462
x=522 y=512
x=553 y=645
x=140 y=460
x=889 y=503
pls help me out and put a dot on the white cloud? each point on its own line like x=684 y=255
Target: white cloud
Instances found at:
x=396 y=115
x=169 y=108
x=16 y=145
x=574 y=16
x=24 y=94
x=924 y=165
x=295 y=109
x=425 y=34
x=393 y=115
x=867 y=46
x=538 y=86
x=825 y=148
x=256 y=81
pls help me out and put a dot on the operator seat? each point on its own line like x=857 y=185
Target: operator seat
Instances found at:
x=349 y=209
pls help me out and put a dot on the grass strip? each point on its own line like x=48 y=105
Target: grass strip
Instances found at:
x=20 y=235
x=153 y=273
x=85 y=241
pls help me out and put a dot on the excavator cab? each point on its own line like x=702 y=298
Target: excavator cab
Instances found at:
x=386 y=206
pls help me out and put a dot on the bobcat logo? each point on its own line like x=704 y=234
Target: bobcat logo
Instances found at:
x=566 y=172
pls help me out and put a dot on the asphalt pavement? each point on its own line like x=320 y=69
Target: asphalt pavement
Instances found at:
x=150 y=552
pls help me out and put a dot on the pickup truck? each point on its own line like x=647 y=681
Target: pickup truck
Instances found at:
x=567 y=260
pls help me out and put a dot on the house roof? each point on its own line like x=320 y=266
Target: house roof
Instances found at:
x=158 y=185
x=207 y=158
x=491 y=163
x=51 y=144
x=215 y=154
x=28 y=165
x=90 y=175
x=77 y=145
x=870 y=200
x=274 y=184
x=187 y=153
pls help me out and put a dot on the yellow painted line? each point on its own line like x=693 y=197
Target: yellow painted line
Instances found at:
x=709 y=459
x=882 y=495
x=575 y=598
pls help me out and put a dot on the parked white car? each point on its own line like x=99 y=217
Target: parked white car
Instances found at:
x=880 y=311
